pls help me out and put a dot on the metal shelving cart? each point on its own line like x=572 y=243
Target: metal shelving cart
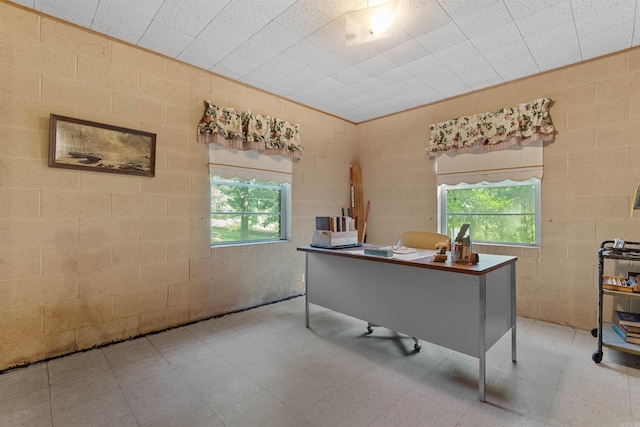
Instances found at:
x=604 y=332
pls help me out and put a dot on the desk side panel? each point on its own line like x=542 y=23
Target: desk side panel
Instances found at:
x=499 y=308
x=436 y=306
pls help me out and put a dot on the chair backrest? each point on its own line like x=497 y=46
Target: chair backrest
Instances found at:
x=423 y=239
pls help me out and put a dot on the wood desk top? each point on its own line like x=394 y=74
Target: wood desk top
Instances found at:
x=486 y=264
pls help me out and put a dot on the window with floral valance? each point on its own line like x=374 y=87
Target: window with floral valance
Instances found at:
x=493 y=131
x=243 y=130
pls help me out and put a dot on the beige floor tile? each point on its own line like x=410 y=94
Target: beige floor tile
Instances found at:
x=300 y=391
x=24 y=381
x=338 y=409
x=109 y=409
x=129 y=351
x=32 y=409
x=76 y=366
x=82 y=389
x=260 y=410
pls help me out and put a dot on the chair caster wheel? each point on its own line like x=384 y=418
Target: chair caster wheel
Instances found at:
x=417 y=347
x=369 y=329
x=597 y=356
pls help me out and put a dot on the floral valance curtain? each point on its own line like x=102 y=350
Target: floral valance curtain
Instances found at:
x=243 y=130
x=520 y=125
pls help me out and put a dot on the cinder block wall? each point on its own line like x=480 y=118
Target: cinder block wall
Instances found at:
x=590 y=174
x=88 y=258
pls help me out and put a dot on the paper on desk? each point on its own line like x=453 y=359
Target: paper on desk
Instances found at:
x=419 y=253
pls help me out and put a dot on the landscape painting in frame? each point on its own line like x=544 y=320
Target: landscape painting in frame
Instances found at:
x=80 y=144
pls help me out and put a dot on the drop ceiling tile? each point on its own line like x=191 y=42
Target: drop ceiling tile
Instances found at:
x=126 y=21
x=247 y=57
x=636 y=34
x=376 y=65
x=457 y=9
x=269 y=8
x=556 y=15
x=369 y=85
x=346 y=93
x=409 y=85
x=515 y=68
x=276 y=37
x=420 y=17
x=302 y=18
x=521 y=8
x=232 y=73
x=469 y=65
x=306 y=52
x=423 y=65
x=441 y=38
x=424 y=94
x=438 y=76
x=453 y=87
x=351 y=75
x=507 y=52
x=585 y=9
x=496 y=38
x=80 y=13
x=236 y=16
x=457 y=53
x=406 y=52
x=607 y=40
x=550 y=38
x=165 y=40
x=329 y=64
x=363 y=100
x=275 y=69
x=558 y=55
x=606 y=19
x=394 y=75
x=189 y=17
x=475 y=23
x=26 y=3
x=482 y=78
x=331 y=36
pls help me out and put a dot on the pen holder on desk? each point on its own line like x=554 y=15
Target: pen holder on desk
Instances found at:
x=461 y=244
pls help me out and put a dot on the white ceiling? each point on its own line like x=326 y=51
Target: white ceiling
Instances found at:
x=296 y=48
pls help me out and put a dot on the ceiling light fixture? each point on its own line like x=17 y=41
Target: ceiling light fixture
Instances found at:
x=371 y=23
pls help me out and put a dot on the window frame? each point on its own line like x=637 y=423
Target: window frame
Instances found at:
x=442 y=208
x=285 y=208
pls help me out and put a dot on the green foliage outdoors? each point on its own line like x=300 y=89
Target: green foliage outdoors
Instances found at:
x=244 y=211
x=496 y=214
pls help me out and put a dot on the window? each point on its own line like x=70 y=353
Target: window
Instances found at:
x=506 y=212
x=247 y=210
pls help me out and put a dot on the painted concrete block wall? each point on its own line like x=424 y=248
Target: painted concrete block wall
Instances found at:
x=88 y=258
x=590 y=174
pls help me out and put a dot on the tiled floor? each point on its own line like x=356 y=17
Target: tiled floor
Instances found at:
x=262 y=367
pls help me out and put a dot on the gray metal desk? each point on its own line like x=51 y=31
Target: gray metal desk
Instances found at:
x=466 y=308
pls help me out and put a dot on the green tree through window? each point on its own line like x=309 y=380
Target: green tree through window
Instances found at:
x=506 y=212
x=246 y=211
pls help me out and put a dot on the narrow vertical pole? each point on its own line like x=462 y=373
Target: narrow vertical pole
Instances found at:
x=306 y=289
x=514 y=319
x=482 y=346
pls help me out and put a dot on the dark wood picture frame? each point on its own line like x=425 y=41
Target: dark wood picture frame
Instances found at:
x=84 y=145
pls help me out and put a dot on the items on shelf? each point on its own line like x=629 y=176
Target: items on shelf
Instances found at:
x=617 y=283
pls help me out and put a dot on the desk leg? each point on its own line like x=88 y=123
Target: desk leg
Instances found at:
x=306 y=290
x=514 y=319
x=482 y=350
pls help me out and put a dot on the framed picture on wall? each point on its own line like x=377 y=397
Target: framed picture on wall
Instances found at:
x=85 y=145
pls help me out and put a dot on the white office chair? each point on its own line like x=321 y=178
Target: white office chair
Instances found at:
x=418 y=240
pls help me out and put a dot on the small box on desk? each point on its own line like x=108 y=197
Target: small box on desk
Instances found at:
x=386 y=252
x=334 y=238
